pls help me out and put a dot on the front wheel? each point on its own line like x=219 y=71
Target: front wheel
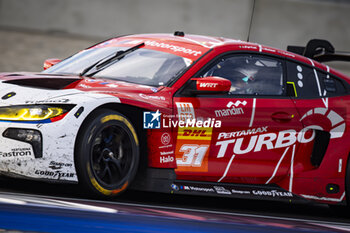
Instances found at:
x=106 y=153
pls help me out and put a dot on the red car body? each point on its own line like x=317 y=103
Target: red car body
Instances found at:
x=292 y=144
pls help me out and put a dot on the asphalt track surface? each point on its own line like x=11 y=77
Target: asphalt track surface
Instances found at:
x=30 y=206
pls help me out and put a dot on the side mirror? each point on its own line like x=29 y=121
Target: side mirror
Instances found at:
x=212 y=85
x=51 y=62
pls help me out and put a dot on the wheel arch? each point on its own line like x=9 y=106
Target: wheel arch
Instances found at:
x=135 y=115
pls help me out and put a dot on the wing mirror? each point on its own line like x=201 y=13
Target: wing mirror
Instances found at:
x=212 y=85
x=51 y=62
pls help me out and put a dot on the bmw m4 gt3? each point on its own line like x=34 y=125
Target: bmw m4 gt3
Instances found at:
x=183 y=114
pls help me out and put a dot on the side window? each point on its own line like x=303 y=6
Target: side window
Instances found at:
x=303 y=80
x=311 y=83
x=330 y=85
x=250 y=75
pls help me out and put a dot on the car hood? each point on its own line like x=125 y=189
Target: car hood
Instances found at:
x=26 y=88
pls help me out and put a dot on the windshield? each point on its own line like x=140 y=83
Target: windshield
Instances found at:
x=143 y=66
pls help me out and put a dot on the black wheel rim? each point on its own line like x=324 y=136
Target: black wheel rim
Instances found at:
x=111 y=156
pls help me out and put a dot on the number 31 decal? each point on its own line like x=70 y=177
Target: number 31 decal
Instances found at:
x=192 y=155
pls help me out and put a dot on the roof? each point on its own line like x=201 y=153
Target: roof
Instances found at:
x=194 y=46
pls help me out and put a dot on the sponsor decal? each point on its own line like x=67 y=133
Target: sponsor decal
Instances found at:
x=242 y=192
x=236 y=190
x=193 y=156
x=174 y=48
x=281 y=139
x=192 y=148
x=247 y=47
x=58 y=165
x=195 y=133
x=84 y=85
x=54 y=174
x=198 y=189
x=242 y=133
x=272 y=193
x=151 y=97
x=166 y=152
x=232 y=109
x=222 y=190
x=186 y=118
x=210 y=85
x=175 y=187
x=168 y=159
x=16 y=152
x=112 y=85
x=47 y=101
x=286 y=53
x=167 y=146
x=151 y=120
x=193 y=140
x=185 y=111
x=165 y=138
x=237 y=103
x=270 y=50
x=269 y=141
x=155 y=90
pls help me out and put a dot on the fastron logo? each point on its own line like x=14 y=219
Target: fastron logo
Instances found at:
x=151 y=120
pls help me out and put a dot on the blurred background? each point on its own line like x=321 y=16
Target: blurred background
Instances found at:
x=34 y=30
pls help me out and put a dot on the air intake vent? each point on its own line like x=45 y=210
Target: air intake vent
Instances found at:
x=47 y=83
x=320 y=147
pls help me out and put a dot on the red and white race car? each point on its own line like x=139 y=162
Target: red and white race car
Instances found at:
x=183 y=114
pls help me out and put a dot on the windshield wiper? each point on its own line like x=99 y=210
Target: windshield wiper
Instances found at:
x=102 y=63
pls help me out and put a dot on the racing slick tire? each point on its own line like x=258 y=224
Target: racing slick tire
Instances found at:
x=106 y=153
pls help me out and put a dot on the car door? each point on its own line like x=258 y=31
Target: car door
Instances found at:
x=256 y=139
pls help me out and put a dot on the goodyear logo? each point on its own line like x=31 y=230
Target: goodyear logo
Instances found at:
x=194 y=133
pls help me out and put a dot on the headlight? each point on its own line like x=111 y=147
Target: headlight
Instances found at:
x=33 y=112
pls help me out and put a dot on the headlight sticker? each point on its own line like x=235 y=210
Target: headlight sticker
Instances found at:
x=33 y=113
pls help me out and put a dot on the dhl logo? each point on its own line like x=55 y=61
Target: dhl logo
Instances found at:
x=194 y=133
